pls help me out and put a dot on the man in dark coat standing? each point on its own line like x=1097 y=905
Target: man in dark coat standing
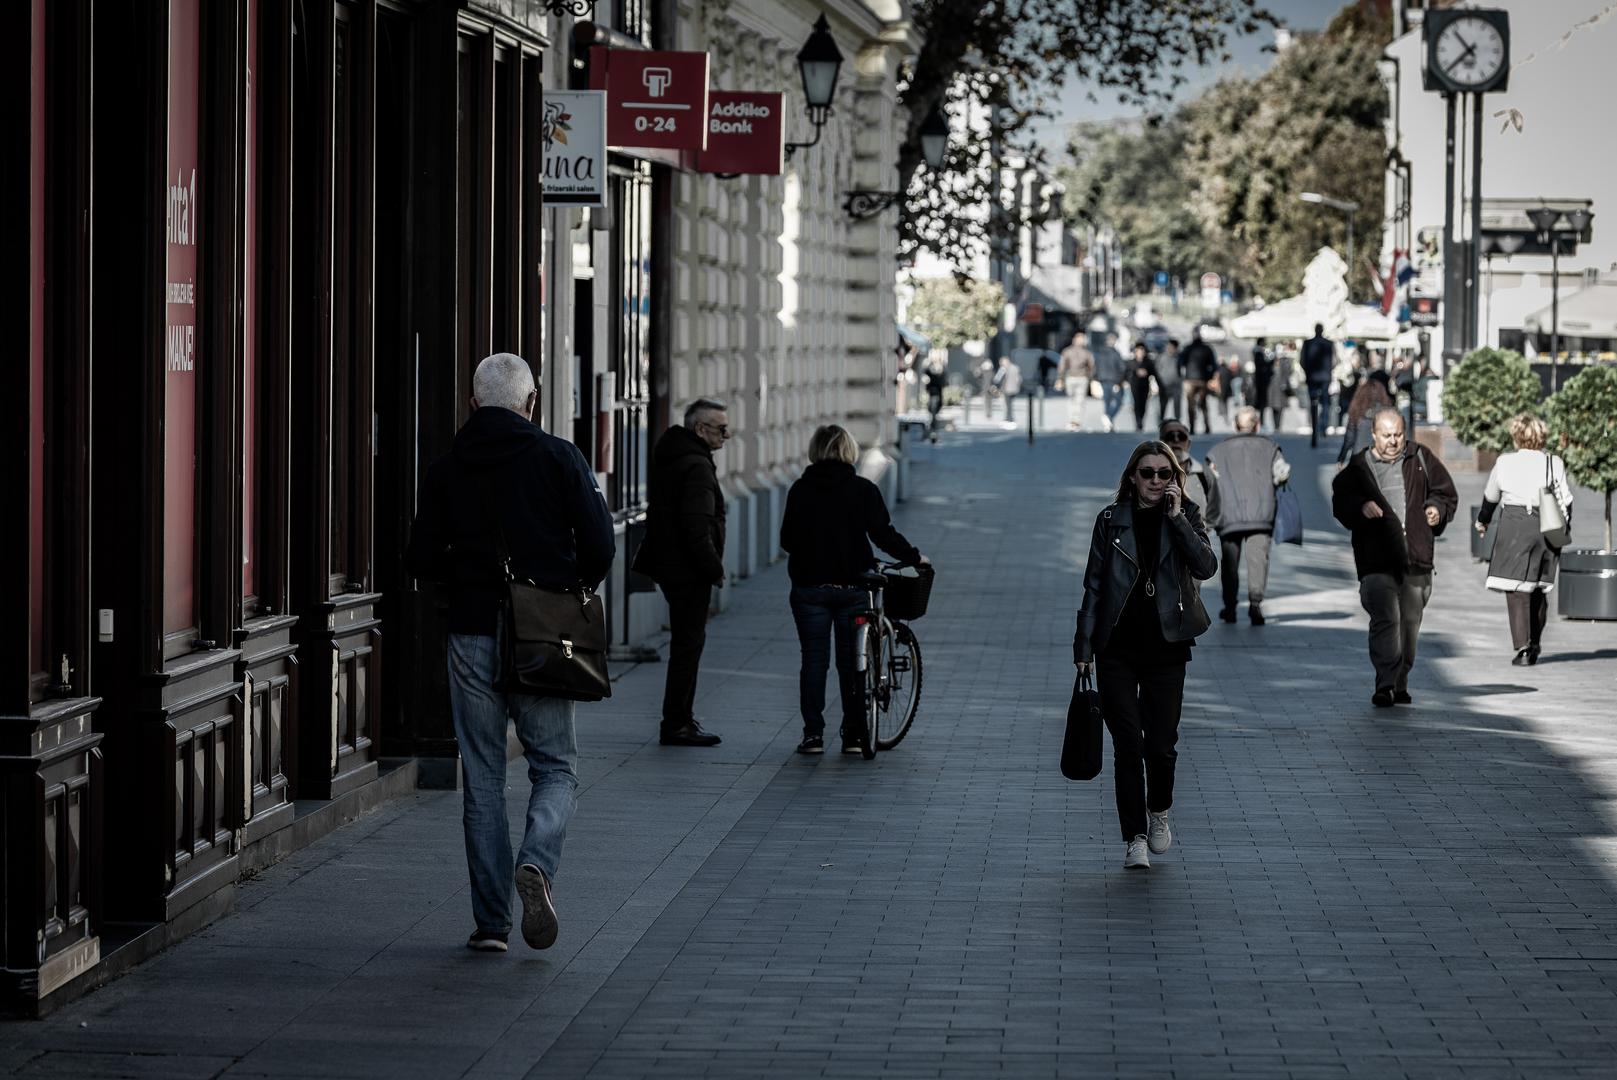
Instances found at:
x=1319 y=357
x=683 y=552
x=1200 y=364
x=1396 y=499
x=505 y=479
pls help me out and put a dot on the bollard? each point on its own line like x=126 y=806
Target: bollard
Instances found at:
x=966 y=422
x=1030 y=420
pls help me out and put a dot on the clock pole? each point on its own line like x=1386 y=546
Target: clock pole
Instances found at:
x=1453 y=313
x=1473 y=293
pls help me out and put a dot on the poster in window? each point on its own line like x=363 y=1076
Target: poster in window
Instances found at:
x=179 y=354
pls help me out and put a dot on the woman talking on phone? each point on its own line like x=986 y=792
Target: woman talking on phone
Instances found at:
x=1142 y=611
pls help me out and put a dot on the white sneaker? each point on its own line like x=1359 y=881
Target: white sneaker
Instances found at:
x=1161 y=837
x=1137 y=858
x=1108 y=425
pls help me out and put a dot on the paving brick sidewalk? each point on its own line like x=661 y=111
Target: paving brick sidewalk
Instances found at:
x=1420 y=892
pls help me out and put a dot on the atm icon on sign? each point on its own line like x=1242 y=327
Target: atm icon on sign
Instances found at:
x=657 y=80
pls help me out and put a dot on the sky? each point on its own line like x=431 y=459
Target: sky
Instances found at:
x=1248 y=55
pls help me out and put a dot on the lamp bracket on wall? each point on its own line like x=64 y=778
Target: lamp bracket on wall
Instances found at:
x=864 y=204
x=578 y=9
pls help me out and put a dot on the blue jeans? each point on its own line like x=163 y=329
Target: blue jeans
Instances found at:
x=545 y=728
x=1112 y=399
x=1319 y=409
x=817 y=613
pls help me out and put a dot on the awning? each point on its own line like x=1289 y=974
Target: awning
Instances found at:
x=919 y=342
x=1058 y=288
x=1293 y=317
x=1591 y=312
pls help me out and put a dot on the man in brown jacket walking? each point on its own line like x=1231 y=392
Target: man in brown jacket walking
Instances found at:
x=1396 y=499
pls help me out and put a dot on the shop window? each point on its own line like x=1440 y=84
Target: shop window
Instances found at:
x=180 y=338
x=622 y=421
x=347 y=396
x=249 y=318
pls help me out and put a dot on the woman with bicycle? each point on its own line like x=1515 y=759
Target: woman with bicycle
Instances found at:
x=1142 y=611
x=832 y=515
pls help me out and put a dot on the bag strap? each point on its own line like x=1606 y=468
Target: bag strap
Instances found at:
x=1086 y=680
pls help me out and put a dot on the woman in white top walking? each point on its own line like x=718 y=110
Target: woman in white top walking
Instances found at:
x=1523 y=563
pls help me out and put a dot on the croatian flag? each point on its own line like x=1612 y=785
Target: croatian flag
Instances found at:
x=1402 y=271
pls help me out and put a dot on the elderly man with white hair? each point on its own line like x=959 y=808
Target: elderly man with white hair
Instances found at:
x=1247 y=467
x=504 y=475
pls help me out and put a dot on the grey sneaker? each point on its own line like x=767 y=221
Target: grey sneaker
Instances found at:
x=539 y=925
x=1137 y=858
x=1160 y=836
x=486 y=941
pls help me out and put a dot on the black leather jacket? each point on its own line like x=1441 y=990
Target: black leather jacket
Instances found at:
x=1186 y=557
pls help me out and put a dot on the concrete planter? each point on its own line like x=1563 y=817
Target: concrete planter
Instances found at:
x=1588 y=584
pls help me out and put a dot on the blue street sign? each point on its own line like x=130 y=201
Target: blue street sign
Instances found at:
x=1162 y=278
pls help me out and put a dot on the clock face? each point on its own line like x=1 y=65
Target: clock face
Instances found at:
x=1470 y=52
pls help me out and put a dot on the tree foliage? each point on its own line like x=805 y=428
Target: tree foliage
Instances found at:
x=951 y=312
x=1312 y=122
x=1214 y=185
x=1484 y=393
x=1012 y=57
x=1132 y=179
x=1583 y=429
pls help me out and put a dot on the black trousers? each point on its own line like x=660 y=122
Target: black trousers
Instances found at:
x=687 y=620
x=1528 y=611
x=1142 y=703
x=1141 y=389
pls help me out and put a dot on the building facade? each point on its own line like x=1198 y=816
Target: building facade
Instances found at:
x=265 y=245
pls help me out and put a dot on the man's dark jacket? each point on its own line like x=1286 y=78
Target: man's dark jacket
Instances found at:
x=1184 y=557
x=1381 y=545
x=557 y=527
x=832 y=514
x=1319 y=356
x=1199 y=362
x=684 y=542
x=1110 y=367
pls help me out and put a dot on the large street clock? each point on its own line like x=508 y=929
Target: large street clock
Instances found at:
x=1467 y=51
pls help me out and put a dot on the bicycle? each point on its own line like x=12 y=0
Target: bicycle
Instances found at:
x=889 y=660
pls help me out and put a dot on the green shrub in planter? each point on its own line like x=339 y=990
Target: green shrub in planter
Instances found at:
x=1583 y=430
x=1484 y=392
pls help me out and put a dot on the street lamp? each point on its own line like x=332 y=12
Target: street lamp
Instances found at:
x=819 y=62
x=1545 y=220
x=1347 y=207
x=1491 y=244
x=934 y=148
x=934 y=138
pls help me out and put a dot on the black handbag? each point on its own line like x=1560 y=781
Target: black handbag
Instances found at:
x=554 y=640
x=1083 y=748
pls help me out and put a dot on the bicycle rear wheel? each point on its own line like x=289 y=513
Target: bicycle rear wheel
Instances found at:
x=874 y=671
x=902 y=695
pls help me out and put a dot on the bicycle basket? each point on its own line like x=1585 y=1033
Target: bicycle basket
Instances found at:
x=906 y=594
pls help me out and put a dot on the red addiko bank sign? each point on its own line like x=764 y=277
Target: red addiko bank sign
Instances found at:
x=746 y=133
x=654 y=100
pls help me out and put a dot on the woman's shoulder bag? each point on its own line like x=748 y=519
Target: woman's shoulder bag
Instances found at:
x=1552 y=521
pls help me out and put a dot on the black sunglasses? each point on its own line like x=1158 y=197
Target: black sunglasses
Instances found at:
x=1160 y=474
x=1176 y=436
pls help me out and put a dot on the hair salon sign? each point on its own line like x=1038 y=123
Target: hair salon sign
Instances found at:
x=574 y=130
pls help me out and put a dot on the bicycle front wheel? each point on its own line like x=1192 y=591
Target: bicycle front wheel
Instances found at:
x=903 y=691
